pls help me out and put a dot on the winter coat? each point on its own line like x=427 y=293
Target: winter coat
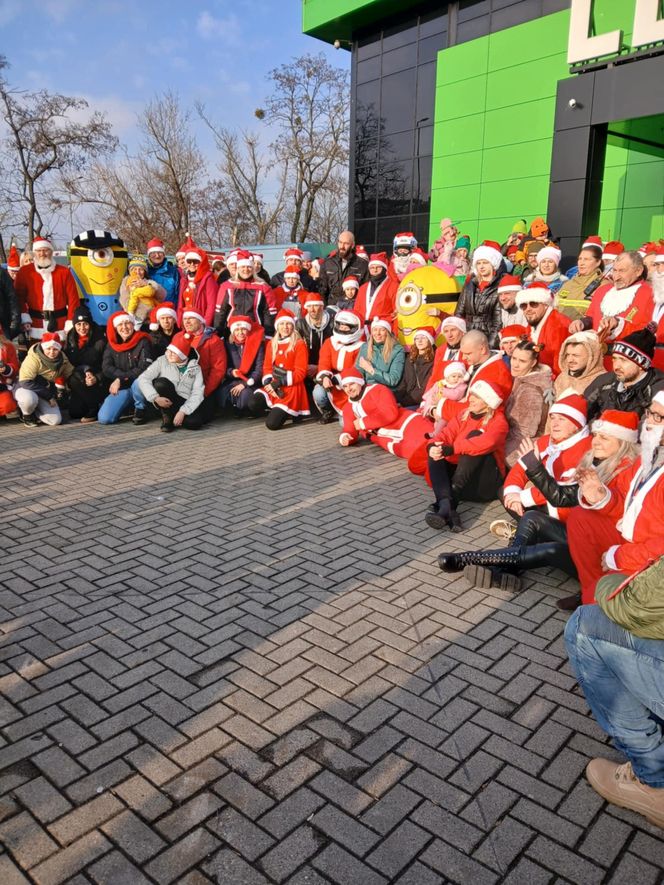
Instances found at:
x=10 y=315
x=475 y=435
x=234 y=361
x=314 y=337
x=38 y=373
x=90 y=356
x=527 y=409
x=414 y=381
x=606 y=392
x=481 y=309
x=126 y=365
x=211 y=358
x=201 y=298
x=593 y=369
x=332 y=274
x=571 y=298
x=168 y=276
x=188 y=383
x=248 y=298
x=552 y=281
x=306 y=280
x=388 y=374
x=635 y=603
x=160 y=341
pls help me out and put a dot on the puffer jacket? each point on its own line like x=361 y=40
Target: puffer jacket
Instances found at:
x=188 y=384
x=89 y=357
x=38 y=373
x=168 y=277
x=481 y=310
x=527 y=409
x=635 y=602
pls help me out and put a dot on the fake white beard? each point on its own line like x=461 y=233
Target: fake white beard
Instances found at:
x=45 y=271
x=657 y=284
x=616 y=301
x=651 y=438
x=401 y=263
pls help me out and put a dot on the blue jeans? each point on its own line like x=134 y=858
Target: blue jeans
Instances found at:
x=115 y=406
x=322 y=399
x=622 y=677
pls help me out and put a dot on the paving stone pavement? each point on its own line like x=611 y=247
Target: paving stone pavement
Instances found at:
x=230 y=656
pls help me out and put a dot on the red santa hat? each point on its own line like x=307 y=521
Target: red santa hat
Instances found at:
x=489 y=251
x=418 y=257
x=13 y=259
x=593 y=242
x=549 y=252
x=612 y=250
x=381 y=323
x=573 y=406
x=648 y=249
x=293 y=254
x=240 y=322
x=284 y=315
x=232 y=257
x=490 y=393
x=155 y=245
x=352 y=375
x=361 y=252
x=52 y=339
x=165 y=309
x=514 y=333
x=181 y=345
x=659 y=258
x=350 y=283
x=41 y=243
x=509 y=283
x=193 y=255
x=310 y=299
x=429 y=333
x=187 y=246
x=621 y=425
x=538 y=292
x=121 y=317
x=192 y=314
x=292 y=271
x=457 y=322
x=379 y=258
x=244 y=258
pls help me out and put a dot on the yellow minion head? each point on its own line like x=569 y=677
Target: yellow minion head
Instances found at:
x=424 y=296
x=98 y=263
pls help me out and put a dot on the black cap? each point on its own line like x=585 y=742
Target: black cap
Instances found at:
x=82 y=315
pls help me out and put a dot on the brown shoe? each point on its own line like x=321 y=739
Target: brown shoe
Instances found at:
x=88 y=420
x=620 y=786
x=569 y=603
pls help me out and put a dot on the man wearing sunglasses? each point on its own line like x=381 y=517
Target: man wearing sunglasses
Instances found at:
x=548 y=326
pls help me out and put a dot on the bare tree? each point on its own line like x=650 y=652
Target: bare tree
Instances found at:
x=44 y=141
x=310 y=108
x=330 y=213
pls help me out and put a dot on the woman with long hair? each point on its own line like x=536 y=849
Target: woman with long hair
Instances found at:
x=541 y=539
x=381 y=359
x=84 y=347
x=417 y=369
x=527 y=406
x=283 y=393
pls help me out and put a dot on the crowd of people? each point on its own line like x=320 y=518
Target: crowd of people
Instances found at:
x=543 y=390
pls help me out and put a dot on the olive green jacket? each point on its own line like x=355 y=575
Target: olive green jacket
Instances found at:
x=639 y=606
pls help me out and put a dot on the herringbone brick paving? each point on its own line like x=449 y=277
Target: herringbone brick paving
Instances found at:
x=229 y=656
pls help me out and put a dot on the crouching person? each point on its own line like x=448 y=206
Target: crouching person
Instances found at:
x=35 y=392
x=174 y=385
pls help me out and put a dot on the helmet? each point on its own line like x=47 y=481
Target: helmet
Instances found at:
x=404 y=241
x=347 y=318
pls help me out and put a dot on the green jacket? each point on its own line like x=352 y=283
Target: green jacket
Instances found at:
x=639 y=606
x=388 y=374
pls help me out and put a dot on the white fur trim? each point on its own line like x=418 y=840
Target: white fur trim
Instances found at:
x=177 y=351
x=486 y=393
x=121 y=318
x=615 y=430
x=541 y=296
x=563 y=409
x=193 y=256
x=610 y=557
x=487 y=253
x=377 y=323
x=154 y=249
x=355 y=284
x=353 y=379
x=426 y=335
x=193 y=314
x=527 y=498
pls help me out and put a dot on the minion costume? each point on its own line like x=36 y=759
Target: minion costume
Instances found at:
x=423 y=294
x=98 y=262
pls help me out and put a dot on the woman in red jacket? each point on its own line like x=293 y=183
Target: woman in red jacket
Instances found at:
x=283 y=393
x=467 y=457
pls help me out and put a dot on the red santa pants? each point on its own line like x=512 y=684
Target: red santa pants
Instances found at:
x=590 y=534
x=7 y=403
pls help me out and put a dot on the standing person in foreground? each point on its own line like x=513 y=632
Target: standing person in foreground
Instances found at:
x=46 y=294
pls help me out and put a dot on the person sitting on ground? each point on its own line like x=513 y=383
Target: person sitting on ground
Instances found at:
x=381 y=359
x=245 y=354
x=548 y=327
x=371 y=412
x=478 y=302
x=417 y=368
x=211 y=358
x=540 y=539
x=163 y=326
x=283 y=393
x=127 y=354
x=630 y=386
x=8 y=374
x=510 y=312
x=573 y=297
x=174 y=384
x=527 y=407
x=84 y=348
x=35 y=391
x=338 y=353
x=547 y=270
x=466 y=459
x=139 y=294
x=581 y=360
x=509 y=338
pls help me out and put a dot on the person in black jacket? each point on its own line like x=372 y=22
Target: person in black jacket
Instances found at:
x=127 y=354
x=10 y=315
x=417 y=369
x=344 y=262
x=84 y=348
x=163 y=326
x=478 y=302
x=293 y=258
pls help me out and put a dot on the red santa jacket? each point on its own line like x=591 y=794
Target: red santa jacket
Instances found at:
x=658 y=319
x=475 y=435
x=277 y=296
x=334 y=357
x=397 y=430
x=560 y=460
x=632 y=307
x=493 y=370
x=550 y=332
x=201 y=297
x=293 y=361
x=636 y=502
x=382 y=302
x=442 y=357
x=211 y=359
x=36 y=299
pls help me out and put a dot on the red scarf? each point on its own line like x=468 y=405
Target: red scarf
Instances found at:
x=250 y=350
x=117 y=343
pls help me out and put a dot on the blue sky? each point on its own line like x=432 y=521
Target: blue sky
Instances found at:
x=118 y=57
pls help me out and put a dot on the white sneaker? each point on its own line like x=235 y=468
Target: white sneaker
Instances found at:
x=503 y=529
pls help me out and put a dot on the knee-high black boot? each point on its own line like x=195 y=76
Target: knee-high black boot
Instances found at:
x=500 y=568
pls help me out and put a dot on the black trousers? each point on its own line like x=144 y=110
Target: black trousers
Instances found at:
x=166 y=388
x=474 y=478
x=537 y=527
x=84 y=401
x=275 y=418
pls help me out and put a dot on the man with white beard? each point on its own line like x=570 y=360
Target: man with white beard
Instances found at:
x=616 y=647
x=46 y=294
x=657 y=283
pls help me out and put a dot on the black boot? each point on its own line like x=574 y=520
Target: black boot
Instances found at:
x=513 y=558
x=139 y=417
x=167 y=425
x=438 y=516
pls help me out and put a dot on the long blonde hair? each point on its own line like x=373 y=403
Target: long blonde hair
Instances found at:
x=387 y=347
x=294 y=338
x=610 y=467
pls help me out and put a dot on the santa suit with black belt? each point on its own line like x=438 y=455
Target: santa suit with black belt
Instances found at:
x=48 y=299
x=551 y=330
x=492 y=370
x=292 y=358
x=399 y=431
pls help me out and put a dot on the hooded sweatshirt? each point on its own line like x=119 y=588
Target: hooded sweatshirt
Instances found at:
x=595 y=367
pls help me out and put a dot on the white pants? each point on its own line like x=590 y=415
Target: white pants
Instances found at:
x=29 y=402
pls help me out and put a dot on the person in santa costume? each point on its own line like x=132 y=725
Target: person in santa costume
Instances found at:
x=511 y=314
x=245 y=296
x=622 y=305
x=211 y=358
x=377 y=297
x=8 y=375
x=453 y=330
x=478 y=303
x=287 y=295
x=35 y=393
x=283 y=393
x=163 y=326
x=294 y=257
x=198 y=289
x=548 y=327
x=350 y=287
x=465 y=461
x=338 y=353
x=46 y=293
x=162 y=271
x=657 y=318
x=540 y=538
x=245 y=355
x=402 y=249
x=509 y=338
x=371 y=412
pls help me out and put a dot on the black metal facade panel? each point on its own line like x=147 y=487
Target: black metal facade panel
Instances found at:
x=579 y=90
x=570 y=156
x=625 y=91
